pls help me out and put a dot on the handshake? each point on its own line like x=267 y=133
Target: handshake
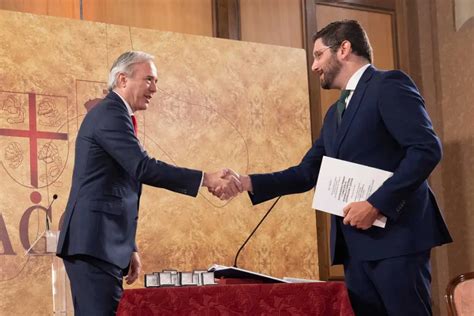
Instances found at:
x=226 y=183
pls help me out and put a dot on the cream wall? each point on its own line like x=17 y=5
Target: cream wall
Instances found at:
x=447 y=76
x=184 y=16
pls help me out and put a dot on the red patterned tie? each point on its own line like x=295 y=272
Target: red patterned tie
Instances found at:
x=135 y=128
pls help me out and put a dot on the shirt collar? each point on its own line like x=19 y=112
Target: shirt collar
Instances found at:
x=129 y=109
x=354 y=80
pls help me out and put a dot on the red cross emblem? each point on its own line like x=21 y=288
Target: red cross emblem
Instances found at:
x=48 y=116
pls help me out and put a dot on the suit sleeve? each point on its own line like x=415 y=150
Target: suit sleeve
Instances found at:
x=114 y=133
x=404 y=115
x=296 y=179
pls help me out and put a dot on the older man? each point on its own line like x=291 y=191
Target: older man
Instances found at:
x=97 y=239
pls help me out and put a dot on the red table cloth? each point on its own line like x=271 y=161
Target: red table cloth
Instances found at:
x=325 y=299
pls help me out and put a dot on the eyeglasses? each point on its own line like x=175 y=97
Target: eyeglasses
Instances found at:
x=317 y=54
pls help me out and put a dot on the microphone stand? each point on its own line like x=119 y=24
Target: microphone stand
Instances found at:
x=255 y=229
x=50 y=237
x=48 y=220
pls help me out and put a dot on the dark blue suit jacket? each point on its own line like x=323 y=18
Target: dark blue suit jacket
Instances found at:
x=385 y=126
x=110 y=167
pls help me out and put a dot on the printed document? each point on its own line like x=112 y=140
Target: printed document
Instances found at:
x=342 y=182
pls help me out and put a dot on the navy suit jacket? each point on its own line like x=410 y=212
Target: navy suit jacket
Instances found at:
x=110 y=166
x=384 y=126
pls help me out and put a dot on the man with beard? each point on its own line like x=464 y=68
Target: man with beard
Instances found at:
x=380 y=121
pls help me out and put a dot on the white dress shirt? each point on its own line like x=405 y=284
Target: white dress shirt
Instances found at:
x=353 y=81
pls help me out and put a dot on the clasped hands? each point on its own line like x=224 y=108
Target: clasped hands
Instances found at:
x=226 y=183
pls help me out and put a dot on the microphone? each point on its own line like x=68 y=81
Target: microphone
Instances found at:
x=48 y=220
x=254 y=230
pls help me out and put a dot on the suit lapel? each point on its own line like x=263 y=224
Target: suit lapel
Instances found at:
x=353 y=107
x=332 y=131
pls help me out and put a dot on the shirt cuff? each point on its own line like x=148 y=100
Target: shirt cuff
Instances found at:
x=202 y=179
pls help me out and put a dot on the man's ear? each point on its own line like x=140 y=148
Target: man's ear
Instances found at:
x=346 y=49
x=122 y=80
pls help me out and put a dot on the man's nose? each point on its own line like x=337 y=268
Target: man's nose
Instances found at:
x=153 y=87
x=315 y=65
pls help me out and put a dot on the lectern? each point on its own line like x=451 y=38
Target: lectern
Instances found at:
x=45 y=245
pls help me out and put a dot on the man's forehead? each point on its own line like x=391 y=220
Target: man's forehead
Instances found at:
x=155 y=70
x=318 y=44
x=147 y=67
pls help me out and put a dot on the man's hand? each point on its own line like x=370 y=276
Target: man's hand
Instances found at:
x=360 y=214
x=135 y=268
x=224 y=184
x=245 y=181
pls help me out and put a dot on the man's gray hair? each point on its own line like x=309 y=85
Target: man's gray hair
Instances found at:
x=124 y=64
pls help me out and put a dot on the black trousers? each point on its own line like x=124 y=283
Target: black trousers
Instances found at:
x=399 y=286
x=96 y=285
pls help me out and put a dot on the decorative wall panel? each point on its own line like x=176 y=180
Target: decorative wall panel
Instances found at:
x=219 y=103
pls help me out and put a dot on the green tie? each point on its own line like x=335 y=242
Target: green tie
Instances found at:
x=341 y=105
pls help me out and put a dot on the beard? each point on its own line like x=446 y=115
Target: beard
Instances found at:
x=331 y=71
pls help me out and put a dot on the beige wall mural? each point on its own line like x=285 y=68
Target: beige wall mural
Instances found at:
x=220 y=103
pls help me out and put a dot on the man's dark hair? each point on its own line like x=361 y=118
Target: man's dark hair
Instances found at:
x=333 y=34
